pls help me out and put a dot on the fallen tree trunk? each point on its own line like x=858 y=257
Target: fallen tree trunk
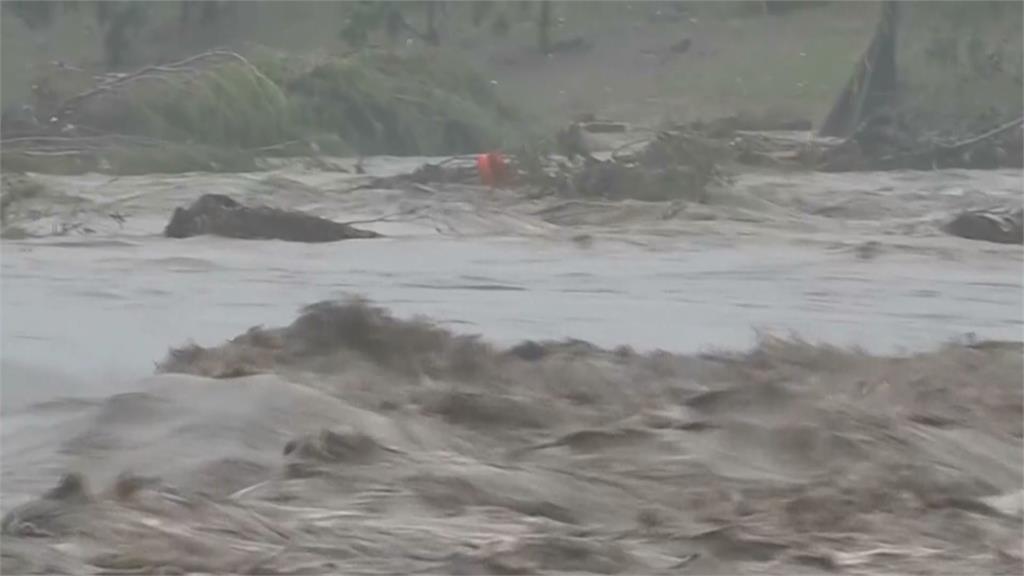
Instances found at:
x=219 y=215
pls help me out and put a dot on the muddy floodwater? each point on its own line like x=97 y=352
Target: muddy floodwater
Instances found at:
x=95 y=297
x=113 y=309
x=767 y=258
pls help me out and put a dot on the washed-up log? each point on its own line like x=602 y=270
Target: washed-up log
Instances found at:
x=1001 y=226
x=219 y=215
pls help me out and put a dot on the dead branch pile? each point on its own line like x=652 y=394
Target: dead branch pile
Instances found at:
x=885 y=143
x=678 y=163
x=674 y=165
x=454 y=170
x=684 y=161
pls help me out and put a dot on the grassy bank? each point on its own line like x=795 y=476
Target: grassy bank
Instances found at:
x=220 y=111
x=384 y=103
x=614 y=58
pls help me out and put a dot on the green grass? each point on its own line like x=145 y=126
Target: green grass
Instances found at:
x=230 y=105
x=221 y=115
x=386 y=103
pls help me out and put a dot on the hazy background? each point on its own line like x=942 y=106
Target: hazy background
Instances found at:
x=636 y=61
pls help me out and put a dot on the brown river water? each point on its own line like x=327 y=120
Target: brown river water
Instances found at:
x=702 y=448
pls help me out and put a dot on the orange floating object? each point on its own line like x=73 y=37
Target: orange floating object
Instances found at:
x=483 y=167
x=492 y=168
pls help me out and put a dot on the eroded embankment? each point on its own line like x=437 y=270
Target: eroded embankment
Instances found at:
x=354 y=442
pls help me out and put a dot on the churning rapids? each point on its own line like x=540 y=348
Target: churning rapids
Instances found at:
x=873 y=426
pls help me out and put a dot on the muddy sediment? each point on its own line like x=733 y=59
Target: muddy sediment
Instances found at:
x=351 y=441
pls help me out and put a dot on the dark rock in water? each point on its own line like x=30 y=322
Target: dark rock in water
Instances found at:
x=219 y=215
x=1002 y=226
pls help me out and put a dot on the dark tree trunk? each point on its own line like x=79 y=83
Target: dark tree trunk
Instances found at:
x=873 y=84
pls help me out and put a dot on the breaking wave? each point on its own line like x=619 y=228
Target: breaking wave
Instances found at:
x=354 y=442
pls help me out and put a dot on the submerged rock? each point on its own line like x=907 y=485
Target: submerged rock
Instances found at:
x=219 y=215
x=1002 y=226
